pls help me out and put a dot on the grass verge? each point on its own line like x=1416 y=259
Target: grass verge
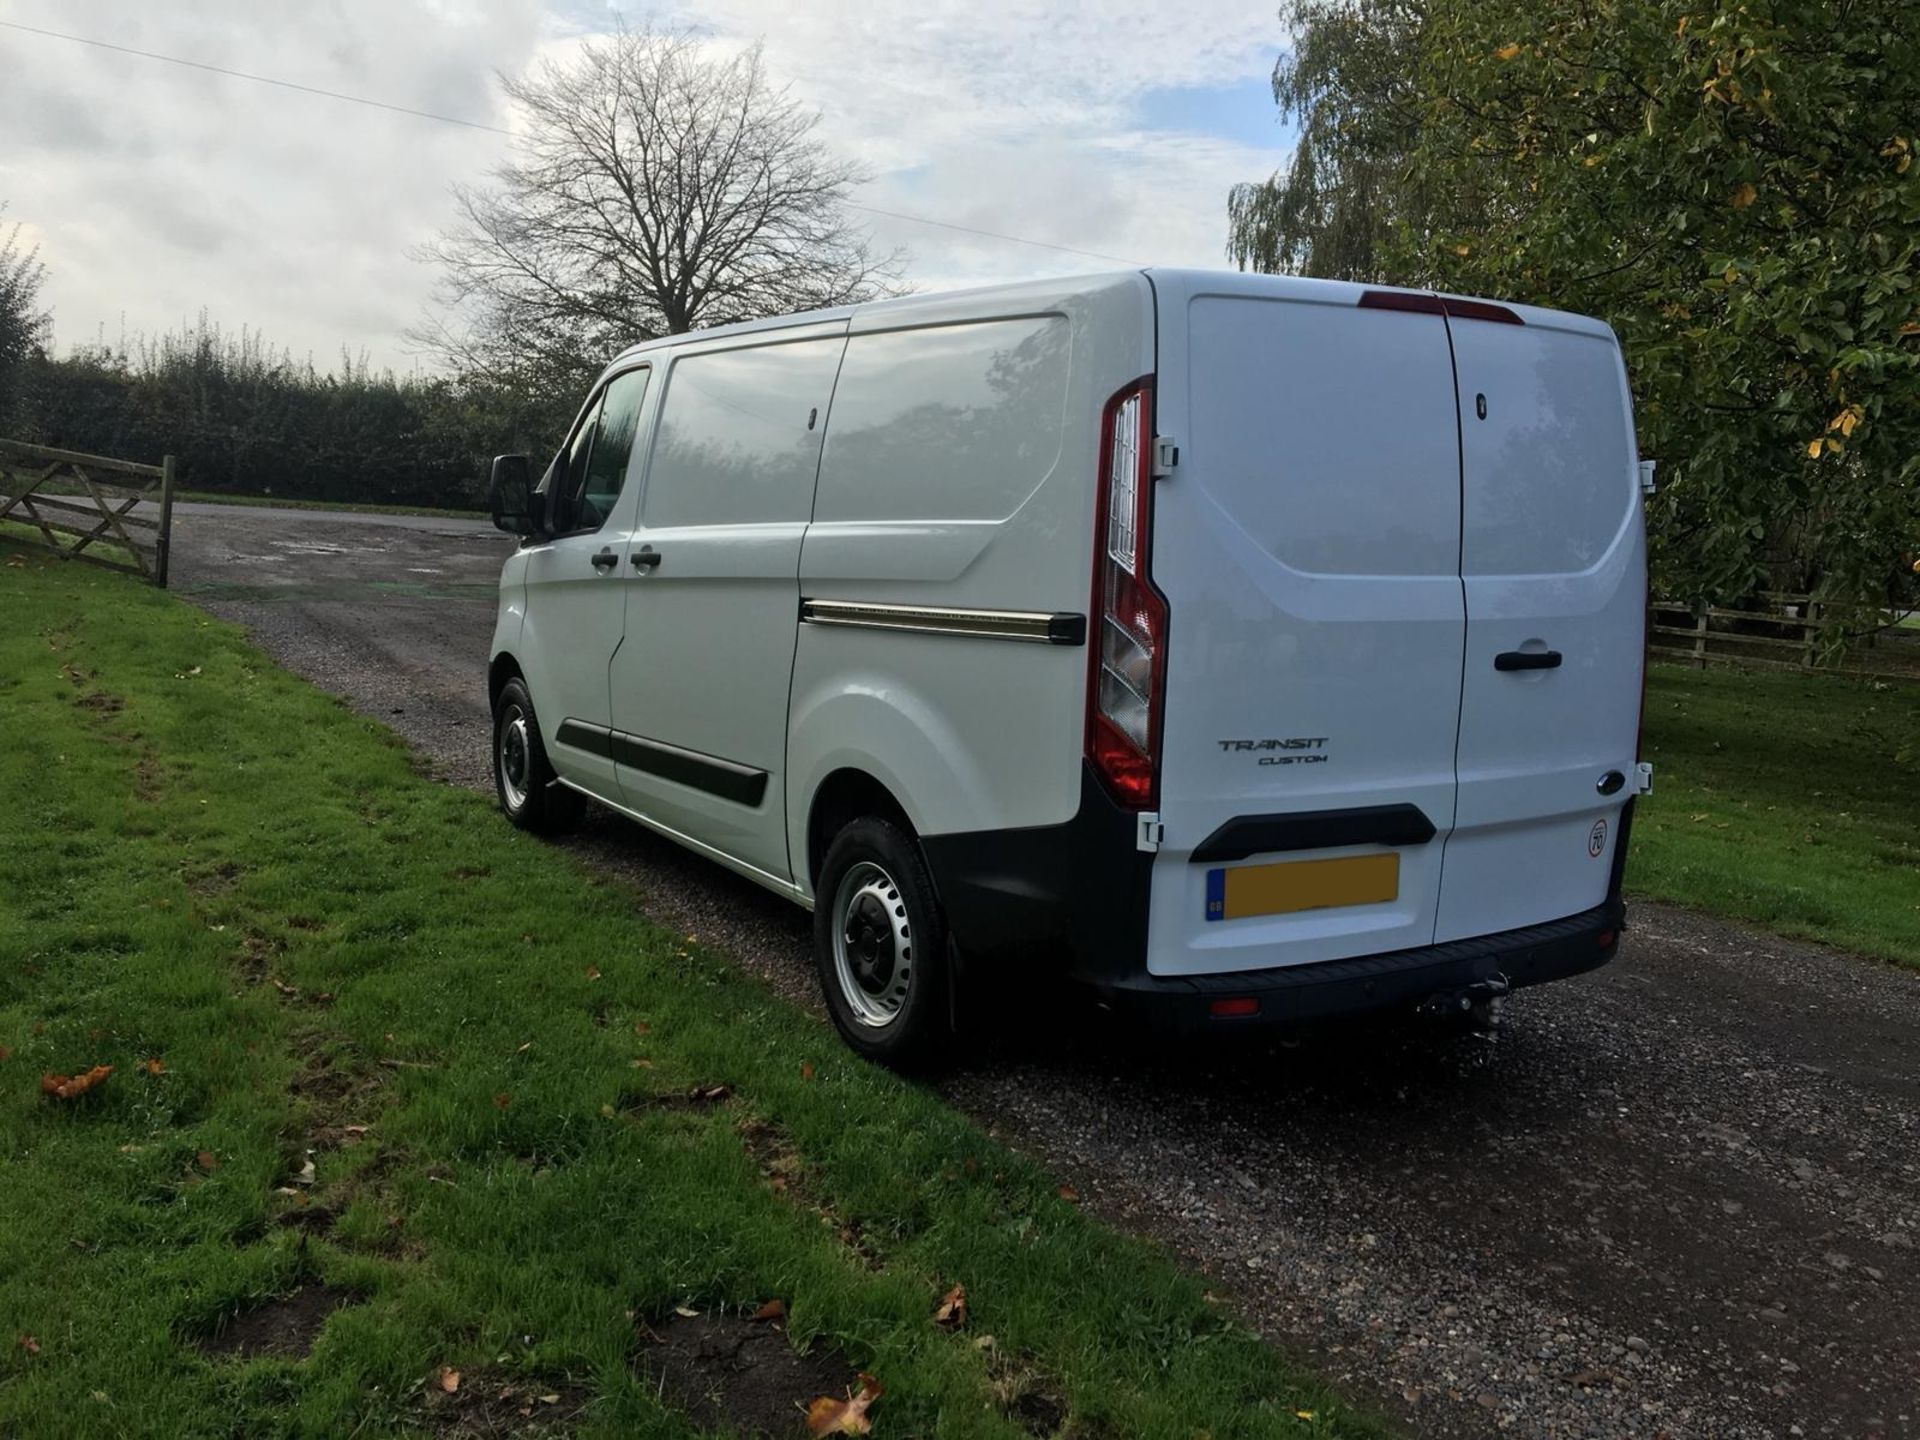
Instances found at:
x=1786 y=800
x=274 y=502
x=30 y=538
x=374 y=1051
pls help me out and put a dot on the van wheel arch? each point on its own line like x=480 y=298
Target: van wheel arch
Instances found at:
x=840 y=799
x=502 y=669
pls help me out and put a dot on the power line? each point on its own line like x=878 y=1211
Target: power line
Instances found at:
x=256 y=79
x=499 y=130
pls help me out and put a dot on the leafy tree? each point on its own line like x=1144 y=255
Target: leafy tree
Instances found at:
x=1348 y=83
x=23 y=324
x=1734 y=189
x=657 y=188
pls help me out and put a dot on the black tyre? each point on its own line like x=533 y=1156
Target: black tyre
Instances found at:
x=880 y=943
x=522 y=778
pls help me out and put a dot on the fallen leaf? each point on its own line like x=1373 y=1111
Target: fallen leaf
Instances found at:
x=953 y=1308
x=1303 y=1414
x=283 y=987
x=28 y=1344
x=502 y=1100
x=772 y=1310
x=828 y=1416
x=71 y=1087
x=1744 y=196
x=448 y=1379
x=593 y=972
x=1506 y=52
x=643 y=1063
x=353 y=1129
x=306 y=1175
x=156 y=1066
x=549 y=1399
x=208 y=1161
x=1069 y=1194
x=524 y=1048
x=806 y=1069
x=714 y=1094
x=686 y=1312
x=641 y=1027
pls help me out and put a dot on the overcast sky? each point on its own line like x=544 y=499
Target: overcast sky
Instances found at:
x=156 y=191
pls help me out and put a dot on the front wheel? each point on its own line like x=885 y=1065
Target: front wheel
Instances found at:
x=522 y=776
x=880 y=943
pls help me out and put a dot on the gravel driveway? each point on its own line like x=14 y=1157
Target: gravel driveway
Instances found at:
x=1679 y=1197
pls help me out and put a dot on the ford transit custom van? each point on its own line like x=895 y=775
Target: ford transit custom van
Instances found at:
x=1251 y=649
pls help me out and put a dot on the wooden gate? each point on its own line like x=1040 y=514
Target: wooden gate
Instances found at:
x=77 y=501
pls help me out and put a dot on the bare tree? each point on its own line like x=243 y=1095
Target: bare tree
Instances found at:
x=657 y=187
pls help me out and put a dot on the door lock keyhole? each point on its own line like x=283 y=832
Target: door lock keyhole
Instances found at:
x=1480 y=406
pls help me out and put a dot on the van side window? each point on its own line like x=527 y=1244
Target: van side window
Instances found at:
x=602 y=447
x=950 y=422
x=739 y=435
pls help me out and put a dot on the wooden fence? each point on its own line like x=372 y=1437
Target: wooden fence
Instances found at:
x=1791 y=634
x=79 y=501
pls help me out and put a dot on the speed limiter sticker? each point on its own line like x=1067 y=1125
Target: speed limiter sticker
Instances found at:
x=1597 y=838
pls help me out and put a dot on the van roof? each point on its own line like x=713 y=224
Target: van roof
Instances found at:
x=1024 y=293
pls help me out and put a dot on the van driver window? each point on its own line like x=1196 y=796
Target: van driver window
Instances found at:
x=597 y=463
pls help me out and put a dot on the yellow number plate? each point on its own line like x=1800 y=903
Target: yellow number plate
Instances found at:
x=1294 y=885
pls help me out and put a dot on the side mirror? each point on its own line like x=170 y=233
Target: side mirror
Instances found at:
x=511 y=495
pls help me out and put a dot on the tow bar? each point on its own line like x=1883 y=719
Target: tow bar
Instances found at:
x=1476 y=1006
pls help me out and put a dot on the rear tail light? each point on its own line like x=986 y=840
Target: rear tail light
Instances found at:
x=1130 y=638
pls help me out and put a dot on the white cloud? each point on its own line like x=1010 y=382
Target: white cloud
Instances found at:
x=158 y=190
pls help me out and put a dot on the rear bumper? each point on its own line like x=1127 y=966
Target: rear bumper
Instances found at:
x=1398 y=979
x=1074 y=897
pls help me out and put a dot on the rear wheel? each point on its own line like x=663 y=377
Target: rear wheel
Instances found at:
x=522 y=777
x=880 y=943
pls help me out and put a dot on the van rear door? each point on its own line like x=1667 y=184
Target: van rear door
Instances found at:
x=1553 y=562
x=1308 y=544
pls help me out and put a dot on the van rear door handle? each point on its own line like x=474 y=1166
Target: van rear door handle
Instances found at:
x=604 y=558
x=645 y=558
x=1527 y=660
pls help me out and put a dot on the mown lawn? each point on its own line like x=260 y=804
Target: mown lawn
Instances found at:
x=1789 y=800
x=373 y=1048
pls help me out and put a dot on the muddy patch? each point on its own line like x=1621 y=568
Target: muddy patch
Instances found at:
x=734 y=1373
x=285 y=1328
x=1029 y=1397
x=101 y=703
x=488 y=1405
x=785 y=1173
x=700 y=1097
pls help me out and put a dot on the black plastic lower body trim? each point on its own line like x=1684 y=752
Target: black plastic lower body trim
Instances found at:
x=730 y=781
x=1295 y=993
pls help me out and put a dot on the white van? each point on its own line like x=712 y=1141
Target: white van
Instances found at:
x=1252 y=649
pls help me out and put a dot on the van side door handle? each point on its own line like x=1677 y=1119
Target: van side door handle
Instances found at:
x=604 y=558
x=1527 y=660
x=645 y=558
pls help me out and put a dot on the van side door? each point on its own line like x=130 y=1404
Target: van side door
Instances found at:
x=699 y=684
x=575 y=605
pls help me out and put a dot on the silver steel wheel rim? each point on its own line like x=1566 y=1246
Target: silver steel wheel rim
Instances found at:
x=515 y=758
x=872 y=944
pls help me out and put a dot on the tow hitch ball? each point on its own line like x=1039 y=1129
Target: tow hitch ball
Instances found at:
x=1477 y=1005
